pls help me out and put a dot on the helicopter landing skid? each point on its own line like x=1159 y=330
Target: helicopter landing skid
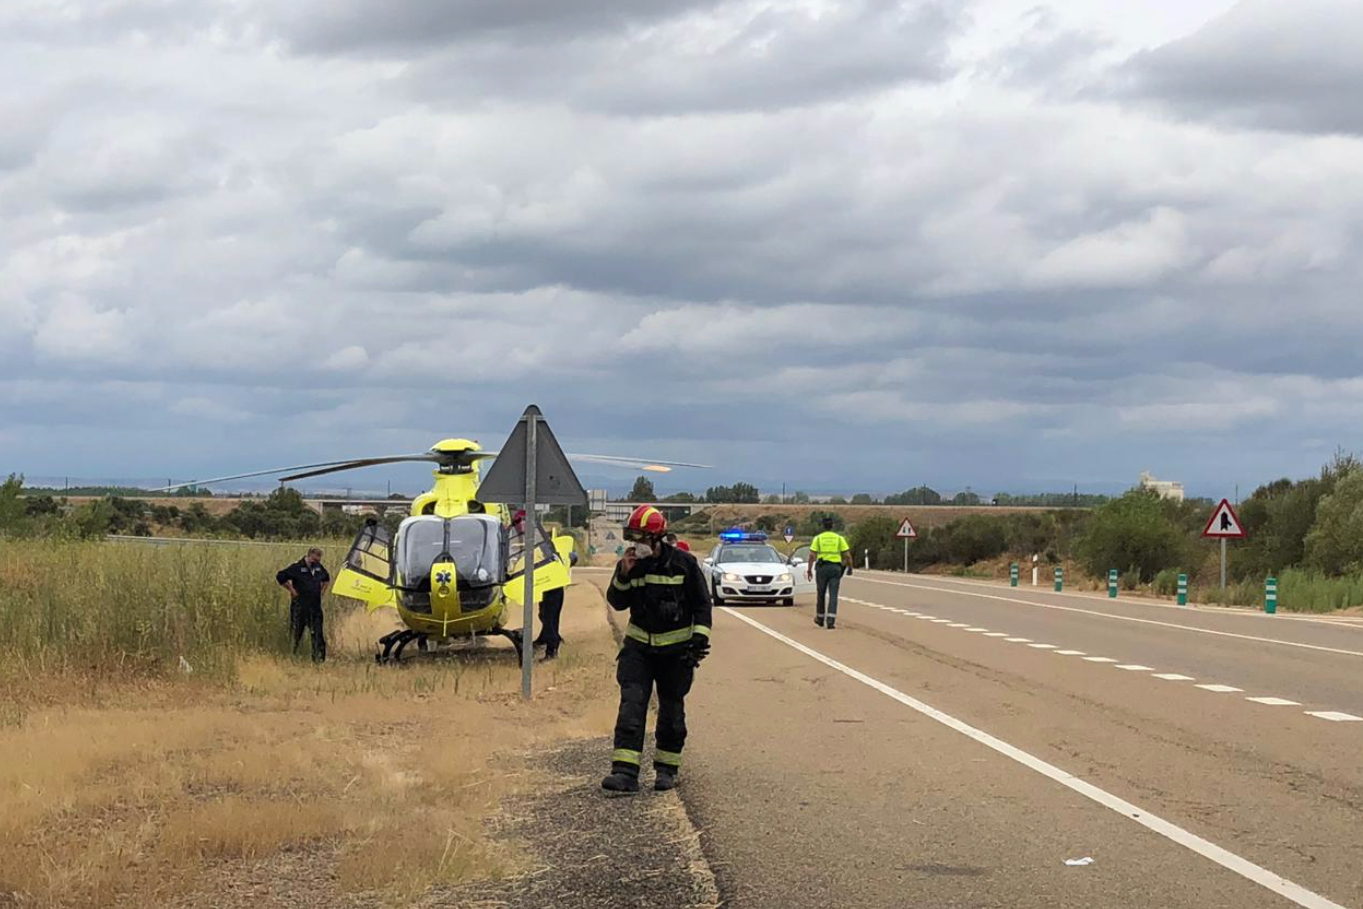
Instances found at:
x=395 y=642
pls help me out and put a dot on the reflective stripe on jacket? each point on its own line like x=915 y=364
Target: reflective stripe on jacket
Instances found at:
x=667 y=599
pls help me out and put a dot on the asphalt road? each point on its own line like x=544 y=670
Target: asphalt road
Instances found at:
x=954 y=743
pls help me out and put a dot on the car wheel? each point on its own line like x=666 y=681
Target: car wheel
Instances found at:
x=788 y=601
x=714 y=595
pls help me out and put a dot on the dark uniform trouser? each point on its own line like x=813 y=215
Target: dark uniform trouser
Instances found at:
x=551 y=608
x=307 y=614
x=638 y=669
x=828 y=577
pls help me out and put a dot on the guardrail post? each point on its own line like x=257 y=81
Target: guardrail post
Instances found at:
x=1059 y=579
x=1271 y=596
x=1112 y=583
x=1013 y=575
x=1183 y=590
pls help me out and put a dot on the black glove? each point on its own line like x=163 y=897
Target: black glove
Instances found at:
x=847 y=569
x=697 y=650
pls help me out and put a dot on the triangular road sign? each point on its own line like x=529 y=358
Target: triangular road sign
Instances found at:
x=555 y=481
x=1224 y=524
x=906 y=531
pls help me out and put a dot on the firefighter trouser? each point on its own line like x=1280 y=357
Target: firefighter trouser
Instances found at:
x=828 y=577
x=551 y=608
x=307 y=615
x=639 y=668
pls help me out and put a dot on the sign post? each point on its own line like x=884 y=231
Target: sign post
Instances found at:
x=532 y=470
x=1224 y=525
x=906 y=533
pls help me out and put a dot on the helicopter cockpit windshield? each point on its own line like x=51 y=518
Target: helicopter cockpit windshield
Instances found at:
x=473 y=541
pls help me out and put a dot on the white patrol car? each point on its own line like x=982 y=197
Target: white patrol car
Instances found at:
x=745 y=568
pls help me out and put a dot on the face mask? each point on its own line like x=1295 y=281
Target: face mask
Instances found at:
x=643 y=550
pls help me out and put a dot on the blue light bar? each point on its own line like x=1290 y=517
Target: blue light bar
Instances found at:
x=743 y=536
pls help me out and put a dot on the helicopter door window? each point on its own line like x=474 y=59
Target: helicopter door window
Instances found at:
x=371 y=554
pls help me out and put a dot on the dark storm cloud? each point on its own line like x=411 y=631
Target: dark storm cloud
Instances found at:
x=383 y=26
x=752 y=56
x=1263 y=65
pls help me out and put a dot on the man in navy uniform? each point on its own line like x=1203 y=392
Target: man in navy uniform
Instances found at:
x=306 y=580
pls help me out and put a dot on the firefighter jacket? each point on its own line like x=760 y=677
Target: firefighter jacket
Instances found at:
x=667 y=599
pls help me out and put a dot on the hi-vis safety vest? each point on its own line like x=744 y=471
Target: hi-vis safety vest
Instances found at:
x=829 y=547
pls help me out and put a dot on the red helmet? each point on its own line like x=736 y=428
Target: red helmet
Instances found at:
x=683 y=546
x=645 y=522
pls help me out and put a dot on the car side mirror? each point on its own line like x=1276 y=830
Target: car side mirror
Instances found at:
x=709 y=561
x=796 y=560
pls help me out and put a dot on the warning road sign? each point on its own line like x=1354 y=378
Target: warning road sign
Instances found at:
x=1224 y=523
x=906 y=531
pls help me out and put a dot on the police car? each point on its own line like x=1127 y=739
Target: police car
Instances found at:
x=744 y=567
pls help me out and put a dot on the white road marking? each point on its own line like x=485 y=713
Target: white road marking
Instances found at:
x=1191 y=841
x=1121 y=618
x=1018 y=640
x=1275 y=702
x=959 y=625
x=926 y=618
x=1099 y=660
x=1173 y=677
x=977 y=629
x=1070 y=652
x=1206 y=608
x=996 y=634
x=1136 y=667
x=1042 y=646
x=940 y=621
x=1220 y=689
x=1335 y=716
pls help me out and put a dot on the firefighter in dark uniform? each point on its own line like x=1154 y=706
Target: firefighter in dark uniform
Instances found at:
x=667 y=637
x=306 y=580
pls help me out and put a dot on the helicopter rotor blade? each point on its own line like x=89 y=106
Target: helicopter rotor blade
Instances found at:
x=335 y=465
x=654 y=466
x=363 y=462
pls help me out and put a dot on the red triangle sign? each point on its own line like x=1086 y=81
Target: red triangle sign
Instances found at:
x=906 y=531
x=1224 y=523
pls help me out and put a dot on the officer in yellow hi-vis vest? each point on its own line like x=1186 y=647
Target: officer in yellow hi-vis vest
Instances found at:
x=829 y=559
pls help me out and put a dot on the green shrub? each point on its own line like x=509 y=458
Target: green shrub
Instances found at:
x=1135 y=534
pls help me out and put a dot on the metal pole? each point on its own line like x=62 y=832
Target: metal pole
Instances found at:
x=906 y=555
x=528 y=560
x=1223 y=563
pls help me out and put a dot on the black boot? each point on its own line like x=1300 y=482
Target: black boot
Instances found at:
x=829 y=626
x=619 y=781
x=818 y=620
x=666 y=779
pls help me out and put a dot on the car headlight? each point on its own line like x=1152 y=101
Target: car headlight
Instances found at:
x=785 y=578
x=732 y=578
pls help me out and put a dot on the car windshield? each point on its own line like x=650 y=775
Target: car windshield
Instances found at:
x=473 y=541
x=749 y=554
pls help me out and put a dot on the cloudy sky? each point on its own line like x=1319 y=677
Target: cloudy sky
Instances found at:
x=845 y=244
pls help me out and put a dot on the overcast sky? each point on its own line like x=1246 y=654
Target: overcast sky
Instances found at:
x=845 y=244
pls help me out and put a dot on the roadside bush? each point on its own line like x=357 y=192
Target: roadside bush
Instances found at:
x=1334 y=544
x=1132 y=534
x=974 y=539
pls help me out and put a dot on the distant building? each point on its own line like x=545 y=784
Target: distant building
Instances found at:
x=1165 y=489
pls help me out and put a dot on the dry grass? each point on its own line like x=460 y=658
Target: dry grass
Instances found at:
x=131 y=791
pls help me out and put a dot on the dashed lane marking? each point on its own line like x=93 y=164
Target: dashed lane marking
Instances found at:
x=1275 y=702
x=1042 y=646
x=1136 y=667
x=1070 y=652
x=1018 y=640
x=1220 y=689
x=977 y=629
x=1167 y=829
x=1099 y=660
x=1120 y=618
x=996 y=634
x=1173 y=677
x=1335 y=716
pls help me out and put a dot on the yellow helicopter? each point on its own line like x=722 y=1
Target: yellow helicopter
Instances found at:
x=447 y=570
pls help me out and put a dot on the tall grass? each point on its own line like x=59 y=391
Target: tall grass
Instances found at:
x=106 y=605
x=1299 y=590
